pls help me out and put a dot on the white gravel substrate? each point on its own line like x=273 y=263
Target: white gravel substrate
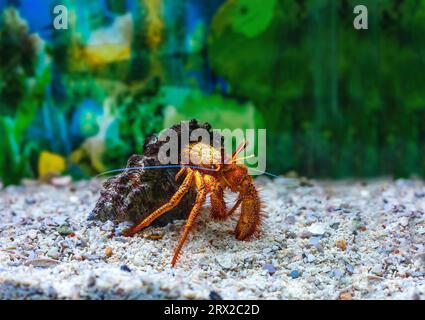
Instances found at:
x=300 y=255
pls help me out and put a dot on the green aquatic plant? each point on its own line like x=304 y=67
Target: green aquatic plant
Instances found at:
x=18 y=149
x=220 y=112
x=15 y=162
x=22 y=90
x=336 y=101
x=138 y=113
x=17 y=60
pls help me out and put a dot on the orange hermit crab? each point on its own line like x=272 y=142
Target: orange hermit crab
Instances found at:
x=211 y=176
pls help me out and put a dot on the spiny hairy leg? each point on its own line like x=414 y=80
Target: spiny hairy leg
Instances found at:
x=218 y=205
x=174 y=201
x=250 y=219
x=200 y=199
x=180 y=173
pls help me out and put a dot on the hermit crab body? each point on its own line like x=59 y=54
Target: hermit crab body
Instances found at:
x=210 y=176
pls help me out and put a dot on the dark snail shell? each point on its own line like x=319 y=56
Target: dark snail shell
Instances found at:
x=133 y=194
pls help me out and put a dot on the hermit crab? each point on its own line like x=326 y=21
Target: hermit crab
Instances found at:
x=211 y=177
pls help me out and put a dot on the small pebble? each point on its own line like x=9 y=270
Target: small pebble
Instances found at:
x=419 y=260
x=337 y=274
x=417 y=274
x=311 y=258
x=317 y=229
x=314 y=241
x=311 y=279
x=341 y=244
x=108 y=252
x=335 y=225
x=377 y=269
x=365 y=193
x=225 y=261
x=404 y=221
x=215 y=296
x=53 y=253
x=61 y=181
x=154 y=236
x=90 y=257
x=349 y=268
x=64 y=230
x=290 y=234
x=78 y=257
x=270 y=268
x=32 y=234
x=294 y=274
x=30 y=201
x=420 y=194
x=108 y=226
x=305 y=234
x=290 y=219
x=266 y=251
x=42 y=262
x=345 y=296
x=125 y=268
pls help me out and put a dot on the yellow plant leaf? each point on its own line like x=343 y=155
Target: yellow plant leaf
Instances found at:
x=106 y=53
x=49 y=163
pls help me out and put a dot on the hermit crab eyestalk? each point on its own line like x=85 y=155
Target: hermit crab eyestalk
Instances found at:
x=238 y=150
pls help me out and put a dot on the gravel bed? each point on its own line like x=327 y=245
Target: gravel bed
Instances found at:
x=320 y=240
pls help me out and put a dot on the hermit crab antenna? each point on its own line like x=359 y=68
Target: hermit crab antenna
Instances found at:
x=239 y=149
x=264 y=172
x=243 y=158
x=152 y=167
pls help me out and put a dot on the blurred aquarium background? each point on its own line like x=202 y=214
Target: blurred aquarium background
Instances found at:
x=336 y=102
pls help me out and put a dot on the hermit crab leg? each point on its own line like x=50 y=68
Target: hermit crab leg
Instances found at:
x=200 y=199
x=180 y=173
x=218 y=205
x=174 y=201
x=250 y=218
x=235 y=207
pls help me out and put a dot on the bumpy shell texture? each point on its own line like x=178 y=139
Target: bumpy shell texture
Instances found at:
x=132 y=195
